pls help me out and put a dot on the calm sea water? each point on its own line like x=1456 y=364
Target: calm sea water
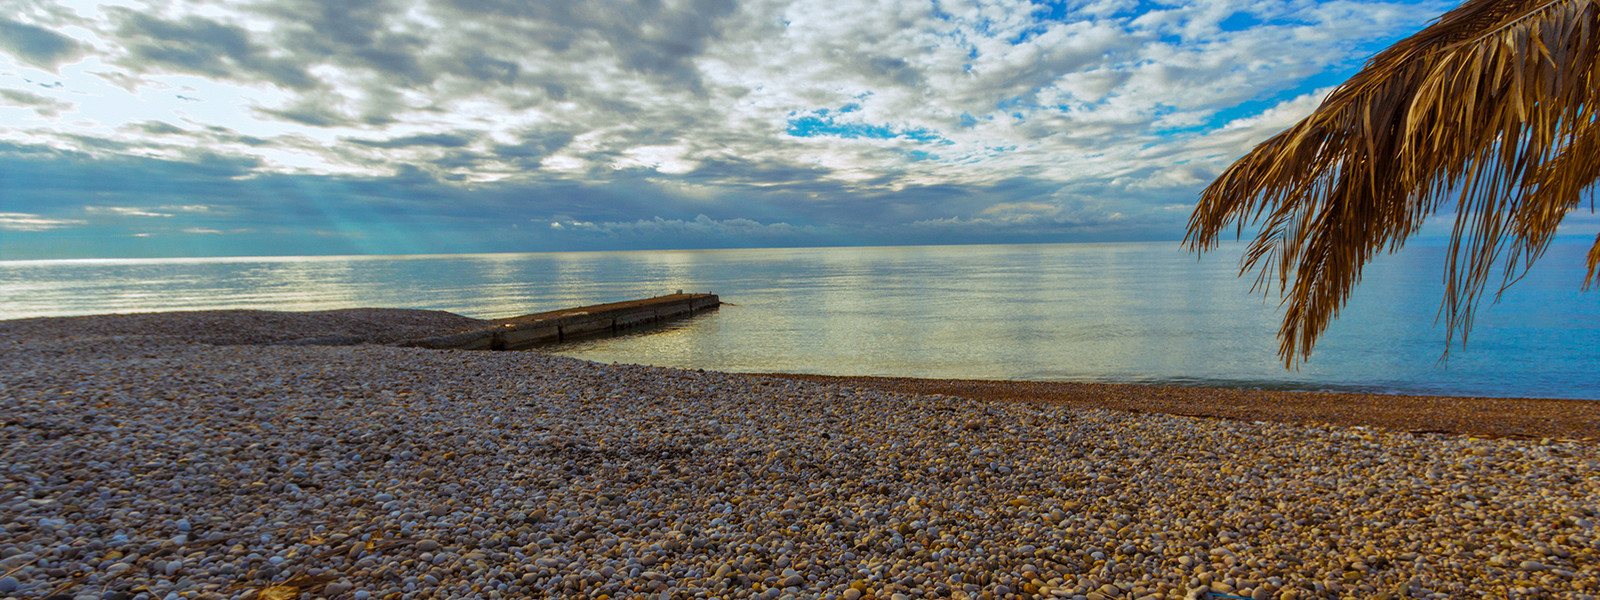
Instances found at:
x=1073 y=312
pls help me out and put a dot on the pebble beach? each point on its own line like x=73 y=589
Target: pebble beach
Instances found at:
x=233 y=455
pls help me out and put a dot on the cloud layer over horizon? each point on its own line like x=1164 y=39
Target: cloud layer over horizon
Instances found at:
x=418 y=126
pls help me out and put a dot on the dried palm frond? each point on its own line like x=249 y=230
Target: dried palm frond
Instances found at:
x=1491 y=110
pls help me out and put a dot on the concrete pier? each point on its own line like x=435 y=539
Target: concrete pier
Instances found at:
x=527 y=331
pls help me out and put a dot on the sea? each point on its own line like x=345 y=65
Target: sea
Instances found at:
x=1120 y=312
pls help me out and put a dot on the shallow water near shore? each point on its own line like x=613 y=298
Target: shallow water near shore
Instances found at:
x=1134 y=312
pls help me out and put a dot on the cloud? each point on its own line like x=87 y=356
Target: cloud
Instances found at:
x=529 y=148
x=36 y=45
x=42 y=105
x=159 y=128
x=431 y=125
x=189 y=208
x=125 y=211
x=1020 y=211
x=701 y=227
x=309 y=113
x=32 y=222
x=163 y=212
x=440 y=140
x=657 y=39
x=199 y=45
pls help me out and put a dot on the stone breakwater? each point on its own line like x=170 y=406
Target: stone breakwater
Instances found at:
x=161 y=466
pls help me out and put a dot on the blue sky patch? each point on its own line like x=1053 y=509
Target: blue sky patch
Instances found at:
x=1052 y=10
x=822 y=123
x=1045 y=13
x=1239 y=21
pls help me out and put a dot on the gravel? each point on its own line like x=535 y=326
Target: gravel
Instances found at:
x=139 y=457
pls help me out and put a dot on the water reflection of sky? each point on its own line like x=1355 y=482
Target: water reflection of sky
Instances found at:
x=1121 y=312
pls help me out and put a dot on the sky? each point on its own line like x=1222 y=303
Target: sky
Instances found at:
x=286 y=127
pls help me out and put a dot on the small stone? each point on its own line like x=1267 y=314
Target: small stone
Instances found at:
x=576 y=479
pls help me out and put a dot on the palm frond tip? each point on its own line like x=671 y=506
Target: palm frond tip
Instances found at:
x=1491 y=108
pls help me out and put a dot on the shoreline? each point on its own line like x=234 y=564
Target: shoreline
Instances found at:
x=1485 y=417
x=1478 y=416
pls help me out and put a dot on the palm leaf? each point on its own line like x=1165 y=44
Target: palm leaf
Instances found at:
x=1489 y=110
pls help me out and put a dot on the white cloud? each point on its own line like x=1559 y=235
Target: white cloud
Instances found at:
x=125 y=211
x=701 y=97
x=701 y=226
x=33 y=222
x=1020 y=211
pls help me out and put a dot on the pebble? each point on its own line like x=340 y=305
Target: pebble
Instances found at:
x=424 y=475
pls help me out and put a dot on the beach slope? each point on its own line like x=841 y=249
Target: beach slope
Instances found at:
x=139 y=457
